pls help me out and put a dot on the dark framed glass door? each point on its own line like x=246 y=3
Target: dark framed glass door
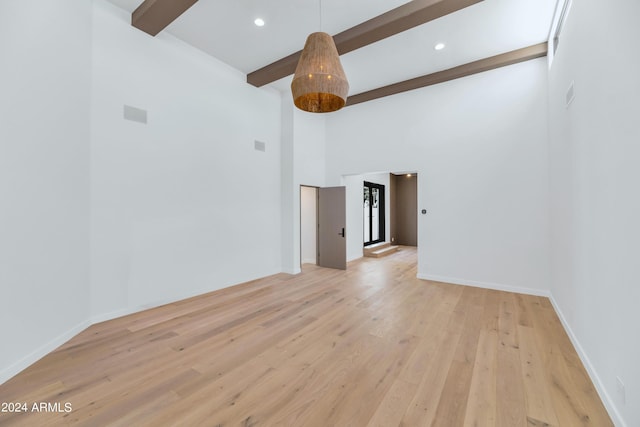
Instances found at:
x=373 y=213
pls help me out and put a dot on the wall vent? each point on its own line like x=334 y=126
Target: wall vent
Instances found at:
x=571 y=94
x=135 y=114
x=259 y=145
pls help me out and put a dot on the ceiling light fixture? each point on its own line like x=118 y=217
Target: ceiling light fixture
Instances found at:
x=259 y=22
x=439 y=46
x=319 y=84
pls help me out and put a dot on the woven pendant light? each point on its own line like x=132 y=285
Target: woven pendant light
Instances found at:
x=319 y=84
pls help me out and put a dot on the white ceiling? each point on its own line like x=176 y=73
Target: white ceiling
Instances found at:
x=225 y=29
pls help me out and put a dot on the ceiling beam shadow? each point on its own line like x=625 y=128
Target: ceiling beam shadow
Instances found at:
x=497 y=61
x=402 y=18
x=153 y=16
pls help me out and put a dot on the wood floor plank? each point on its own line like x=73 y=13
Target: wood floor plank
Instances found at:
x=539 y=405
x=481 y=405
x=394 y=404
x=423 y=406
x=328 y=374
x=454 y=397
x=510 y=397
x=372 y=345
x=421 y=359
x=353 y=367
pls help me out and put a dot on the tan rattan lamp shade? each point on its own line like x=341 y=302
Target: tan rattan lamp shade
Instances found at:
x=319 y=84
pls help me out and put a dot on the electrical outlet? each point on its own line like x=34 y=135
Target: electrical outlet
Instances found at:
x=621 y=392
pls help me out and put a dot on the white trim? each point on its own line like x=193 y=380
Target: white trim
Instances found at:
x=560 y=14
x=42 y=351
x=485 y=285
x=103 y=317
x=595 y=379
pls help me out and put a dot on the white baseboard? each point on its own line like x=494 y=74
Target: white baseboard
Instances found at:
x=595 y=379
x=103 y=317
x=99 y=318
x=485 y=285
x=42 y=351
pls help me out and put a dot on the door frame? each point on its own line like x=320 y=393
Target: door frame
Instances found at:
x=316 y=220
x=339 y=262
x=381 y=213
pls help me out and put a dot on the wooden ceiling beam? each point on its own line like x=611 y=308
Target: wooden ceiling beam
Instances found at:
x=497 y=61
x=153 y=16
x=402 y=18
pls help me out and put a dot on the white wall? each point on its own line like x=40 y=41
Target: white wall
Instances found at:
x=288 y=190
x=355 y=215
x=45 y=48
x=594 y=176
x=308 y=224
x=184 y=204
x=479 y=147
x=303 y=163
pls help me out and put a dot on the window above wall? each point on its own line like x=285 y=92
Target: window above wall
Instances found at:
x=559 y=19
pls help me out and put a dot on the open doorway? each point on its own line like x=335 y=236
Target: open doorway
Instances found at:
x=323 y=226
x=395 y=211
x=404 y=209
x=308 y=225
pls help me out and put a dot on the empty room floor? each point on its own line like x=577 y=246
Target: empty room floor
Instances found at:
x=371 y=345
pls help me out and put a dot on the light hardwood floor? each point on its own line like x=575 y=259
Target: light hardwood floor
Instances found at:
x=370 y=346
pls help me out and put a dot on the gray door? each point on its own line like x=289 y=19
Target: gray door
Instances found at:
x=332 y=244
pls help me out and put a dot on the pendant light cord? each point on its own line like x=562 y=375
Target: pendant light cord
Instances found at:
x=320 y=8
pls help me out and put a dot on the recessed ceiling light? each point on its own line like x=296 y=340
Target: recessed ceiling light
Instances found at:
x=259 y=22
x=439 y=46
